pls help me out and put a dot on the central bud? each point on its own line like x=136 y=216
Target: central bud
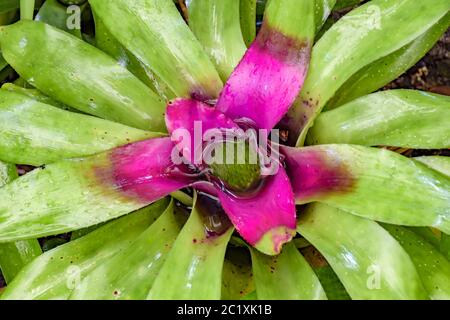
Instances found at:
x=236 y=164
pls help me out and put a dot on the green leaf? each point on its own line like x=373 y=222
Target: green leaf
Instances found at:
x=438 y=163
x=172 y=53
x=248 y=20
x=61 y=197
x=92 y=82
x=441 y=164
x=106 y=42
x=36 y=95
x=8 y=5
x=237 y=276
x=431 y=235
x=14 y=256
x=369 y=262
x=27 y=9
x=373 y=183
x=8 y=17
x=400 y=118
x=56 y=14
x=216 y=25
x=35 y=133
x=56 y=273
x=445 y=245
x=331 y=284
x=250 y=296
x=285 y=277
x=432 y=266
x=8 y=173
x=322 y=11
x=368 y=33
x=381 y=72
x=341 y=4
x=130 y=274
x=193 y=268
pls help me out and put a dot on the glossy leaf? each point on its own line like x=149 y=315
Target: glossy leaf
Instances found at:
x=56 y=273
x=381 y=72
x=369 y=182
x=341 y=4
x=369 y=262
x=106 y=42
x=56 y=14
x=237 y=275
x=27 y=9
x=248 y=20
x=193 y=268
x=441 y=164
x=438 y=163
x=331 y=284
x=172 y=53
x=216 y=25
x=75 y=194
x=285 y=277
x=322 y=10
x=14 y=256
x=399 y=118
x=368 y=33
x=131 y=272
x=431 y=235
x=92 y=82
x=268 y=78
x=445 y=245
x=8 y=5
x=35 y=133
x=265 y=220
x=432 y=266
x=36 y=95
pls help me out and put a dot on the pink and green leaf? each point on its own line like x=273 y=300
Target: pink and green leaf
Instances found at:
x=265 y=220
x=56 y=273
x=171 y=53
x=398 y=118
x=189 y=116
x=78 y=193
x=35 y=133
x=373 y=183
x=370 y=263
x=269 y=77
x=348 y=47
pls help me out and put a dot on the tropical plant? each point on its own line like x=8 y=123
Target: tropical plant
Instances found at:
x=99 y=115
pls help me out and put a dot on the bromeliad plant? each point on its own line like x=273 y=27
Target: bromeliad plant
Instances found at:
x=94 y=123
